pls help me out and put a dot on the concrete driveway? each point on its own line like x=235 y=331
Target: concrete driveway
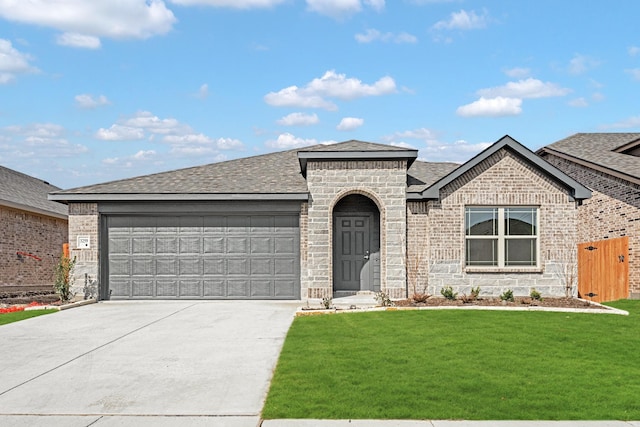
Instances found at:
x=142 y=363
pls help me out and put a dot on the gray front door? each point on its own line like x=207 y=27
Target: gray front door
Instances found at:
x=352 y=267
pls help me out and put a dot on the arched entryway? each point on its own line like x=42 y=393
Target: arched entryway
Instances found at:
x=356 y=245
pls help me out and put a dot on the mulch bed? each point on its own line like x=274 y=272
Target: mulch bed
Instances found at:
x=497 y=302
x=17 y=295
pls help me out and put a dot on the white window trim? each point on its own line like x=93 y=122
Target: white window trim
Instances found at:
x=501 y=237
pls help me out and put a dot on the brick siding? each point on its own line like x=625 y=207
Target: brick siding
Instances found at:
x=40 y=235
x=503 y=179
x=613 y=211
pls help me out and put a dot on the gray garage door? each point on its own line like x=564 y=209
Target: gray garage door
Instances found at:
x=191 y=257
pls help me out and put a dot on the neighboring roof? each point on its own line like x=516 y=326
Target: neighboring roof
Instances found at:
x=355 y=150
x=27 y=193
x=601 y=150
x=274 y=176
x=578 y=191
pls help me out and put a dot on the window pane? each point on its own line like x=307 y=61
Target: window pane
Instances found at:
x=520 y=221
x=481 y=222
x=482 y=252
x=520 y=252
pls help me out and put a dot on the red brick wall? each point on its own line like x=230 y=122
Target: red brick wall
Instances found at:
x=40 y=235
x=613 y=211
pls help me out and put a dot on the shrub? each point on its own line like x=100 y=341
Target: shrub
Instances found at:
x=535 y=295
x=448 y=293
x=383 y=299
x=420 y=297
x=507 y=296
x=475 y=292
x=326 y=302
x=63 y=278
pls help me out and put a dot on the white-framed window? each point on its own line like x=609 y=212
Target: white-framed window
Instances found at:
x=501 y=236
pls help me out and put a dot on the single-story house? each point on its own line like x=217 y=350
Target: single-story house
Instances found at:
x=609 y=165
x=330 y=220
x=32 y=230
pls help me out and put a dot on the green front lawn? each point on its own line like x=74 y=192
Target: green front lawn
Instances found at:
x=21 y=315
x=460 y=365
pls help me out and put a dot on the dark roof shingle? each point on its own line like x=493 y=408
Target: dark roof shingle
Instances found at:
x=599 y=149
x=28 y=193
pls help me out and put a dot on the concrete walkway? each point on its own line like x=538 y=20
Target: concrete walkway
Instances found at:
x=142 y=363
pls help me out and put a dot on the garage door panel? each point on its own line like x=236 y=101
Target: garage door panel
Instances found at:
x=261 y=288
x=238 y=266
x=214 y=266
x=213 y=245
x=285 y=245
x=238 y=288
x=215 y=288
x=261 y=266
x=190 y=288
x=216 y=256
x=142 y=267
x=237 y=245
x=142 y=246
x=166 y=267
x=261 y=245
x=142 y=288
x=189 y=266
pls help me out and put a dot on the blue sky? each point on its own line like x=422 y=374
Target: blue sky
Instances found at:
x=92 y=91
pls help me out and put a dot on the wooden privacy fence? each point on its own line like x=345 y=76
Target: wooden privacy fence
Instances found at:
x=603 y=269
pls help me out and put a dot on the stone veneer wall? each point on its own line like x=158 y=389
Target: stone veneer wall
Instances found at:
x=384 y=182
x=84 y=221
x=613 y=211
x=32 y=233
x=501 y=180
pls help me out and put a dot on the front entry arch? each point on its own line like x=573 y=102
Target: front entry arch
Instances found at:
x=356 y=245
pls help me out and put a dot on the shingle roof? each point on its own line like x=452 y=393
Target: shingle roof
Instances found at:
x=598 y=149
x=274 y=173
x=28 y=193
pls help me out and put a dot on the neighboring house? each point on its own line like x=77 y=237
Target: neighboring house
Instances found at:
x=609 y=164
x=329 y=220
x=32 y=230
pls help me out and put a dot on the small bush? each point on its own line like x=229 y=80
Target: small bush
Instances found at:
x=383 y=299
x=507 y=296
x=420 y=297
x=535 y=295
x=475 y=292
x=448 y=293
x=63 y=278
x=326 y=302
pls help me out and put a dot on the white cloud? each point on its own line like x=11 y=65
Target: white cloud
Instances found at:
x=288 y=141
x=579 y=102
x=229 y=143
x=631 y=122
x=371 y=35
x=39 y=140
x=529 y=88
x=633 y=50
x=340 y=9
x=235 y=4
x=120 y=133
x=634 y=72
x=463 y=20
x=580 y=64
x=142 y=156
x=350 y=123
x=330 y=85
x=203 y=91
x=299 y=119
x=13 y=62
x=89 y=101
x=78 y=40
x=491 y=107
x=517 y=72
x=84 y=22
x=432 y=149
x=155 y=125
